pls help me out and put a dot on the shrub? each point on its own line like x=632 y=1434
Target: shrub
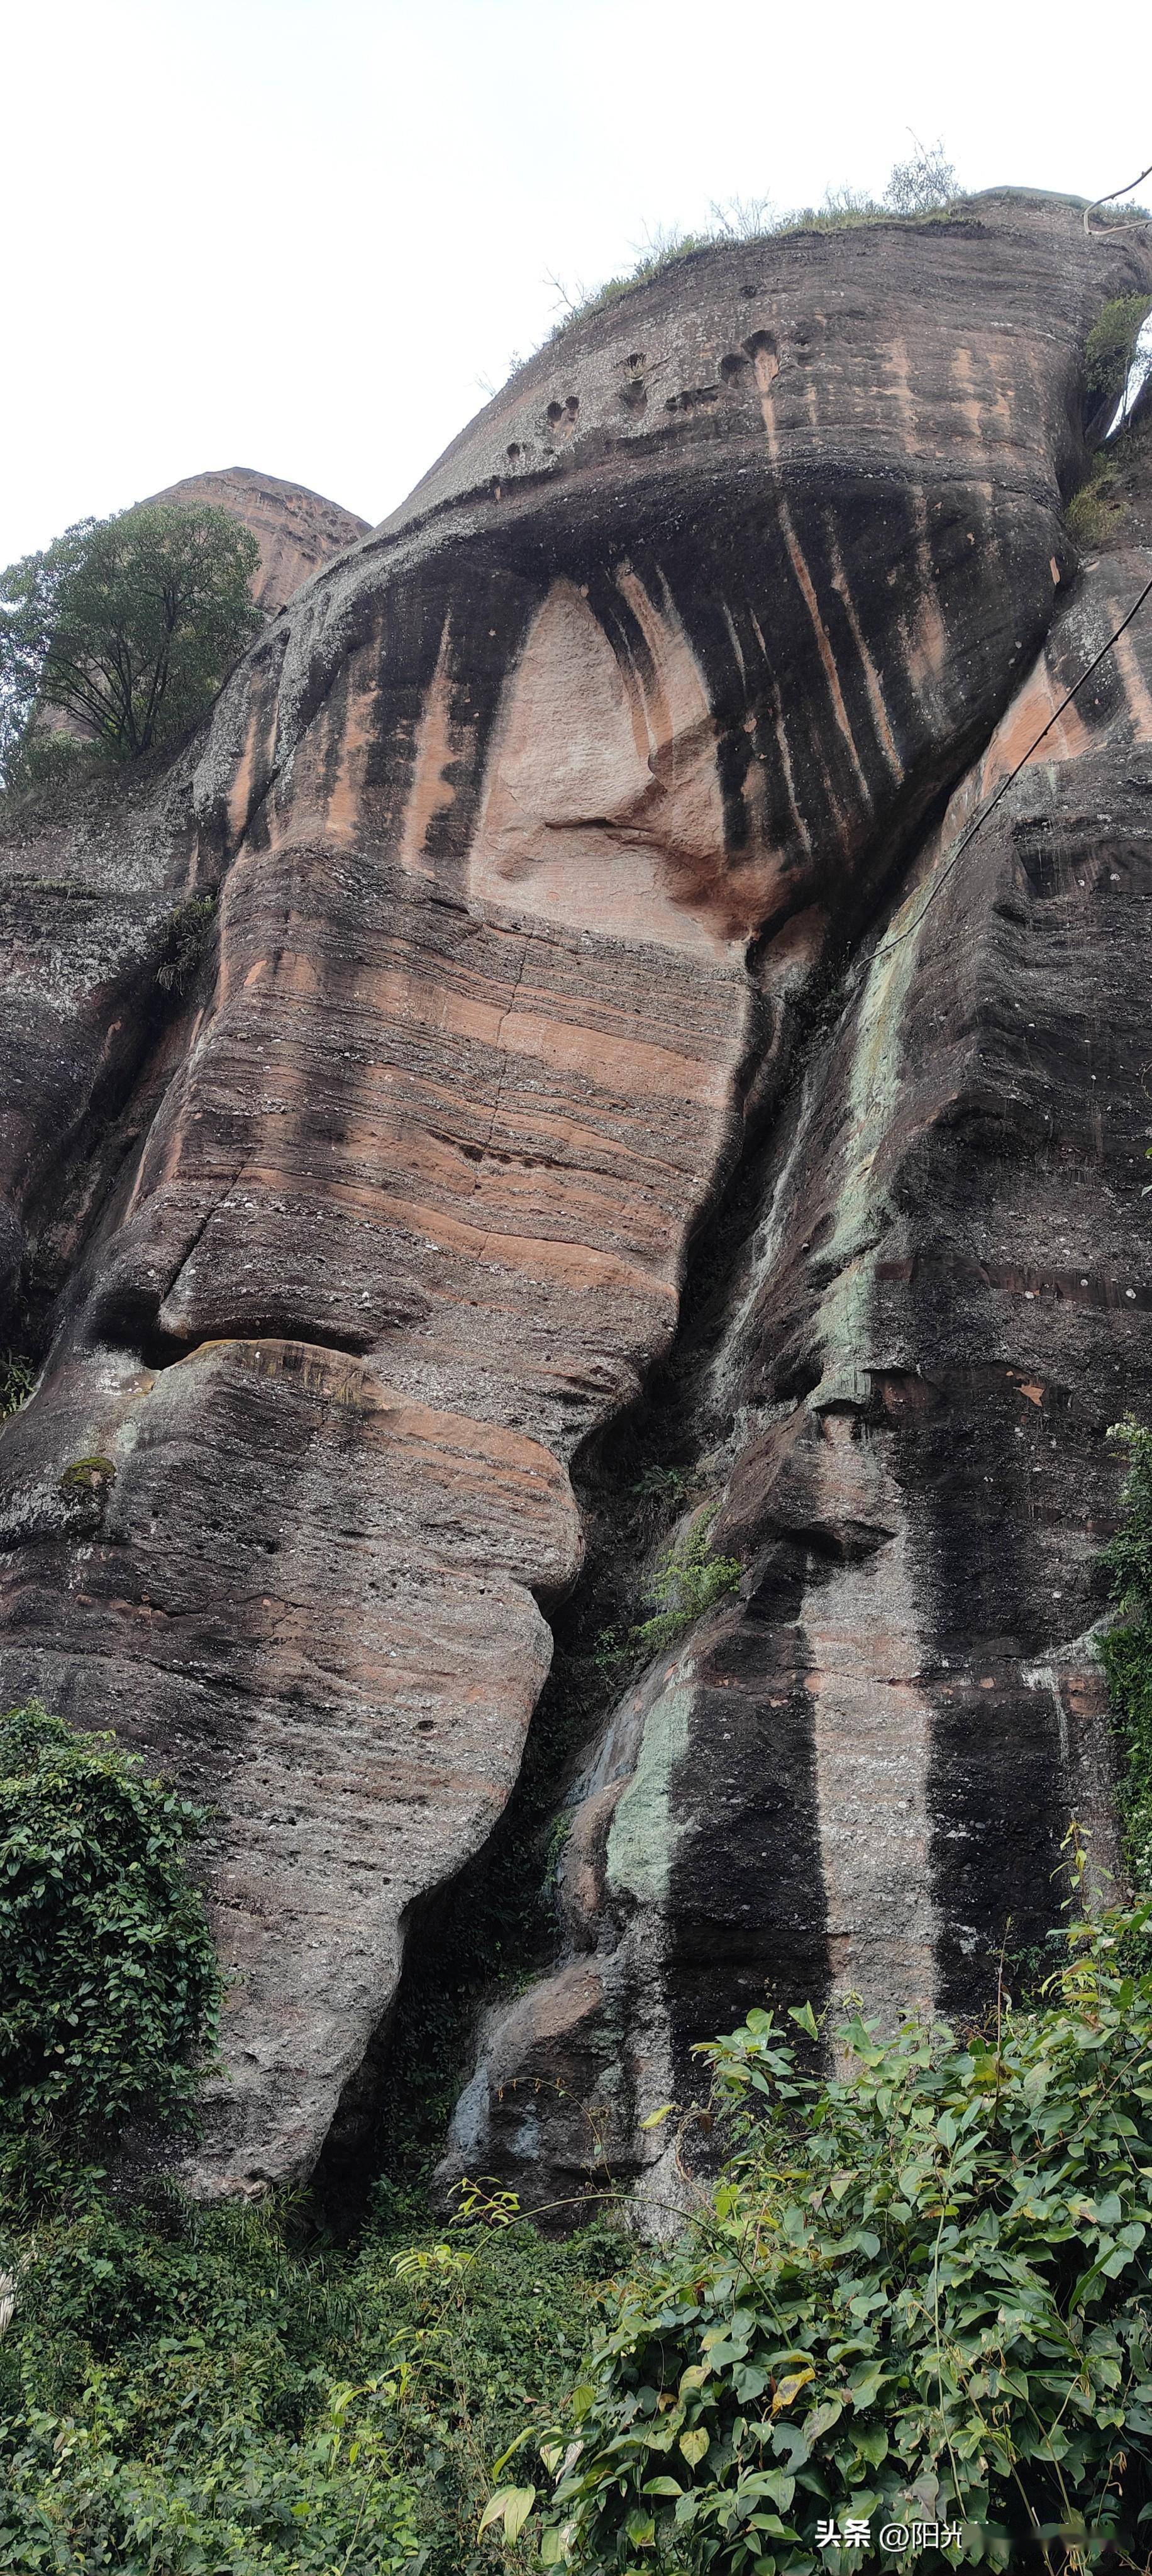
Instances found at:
x=922 y=184
x=920 y=2294
x=108 y=1979
x=918 y=188
x=1111 y=345
x=1098 y=507
x=127 y=625
x=190 y=2390
x=689 y=1579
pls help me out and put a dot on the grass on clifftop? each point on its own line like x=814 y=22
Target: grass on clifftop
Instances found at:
x=922 y=189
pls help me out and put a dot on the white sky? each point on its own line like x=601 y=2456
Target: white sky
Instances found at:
x=295 y=233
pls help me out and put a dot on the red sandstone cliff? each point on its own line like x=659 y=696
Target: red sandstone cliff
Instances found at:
x=296 y=530
x=537 y=825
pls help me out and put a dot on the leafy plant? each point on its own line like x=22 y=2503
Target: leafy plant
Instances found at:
x=206 y=2390
x=1111 y=344
x=1097 y=508
x=108 y=1978
x=1126 y=1651
x=689 y=1580
x=42 y=767
x=923 y=184
x=920 y=2293
x=17 y=1379
x=662 y=1484
x=127 y=625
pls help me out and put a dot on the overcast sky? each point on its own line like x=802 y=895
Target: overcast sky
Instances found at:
x=298 y=234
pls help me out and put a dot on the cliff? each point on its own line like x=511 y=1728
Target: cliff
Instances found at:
x=582 y=845
x=296 y=530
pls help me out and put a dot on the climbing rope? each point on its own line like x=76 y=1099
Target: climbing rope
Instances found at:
x=969 y=835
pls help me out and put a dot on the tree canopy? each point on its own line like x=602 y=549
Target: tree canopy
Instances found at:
x=127 y=625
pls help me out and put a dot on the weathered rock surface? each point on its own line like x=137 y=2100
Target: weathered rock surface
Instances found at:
x=295 y=529
x=856 y=1780
x=531 y=821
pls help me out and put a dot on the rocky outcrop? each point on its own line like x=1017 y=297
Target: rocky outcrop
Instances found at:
x=296 y=530
x=530 y=824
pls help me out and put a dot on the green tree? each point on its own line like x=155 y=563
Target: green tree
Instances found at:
x=108 y=1977
x=127 y=625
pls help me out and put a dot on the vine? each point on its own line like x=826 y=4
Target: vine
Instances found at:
x=108 y=1979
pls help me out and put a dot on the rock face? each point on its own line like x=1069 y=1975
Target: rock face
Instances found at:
x=536 y=824
x=855 y=1779
x=296 y=530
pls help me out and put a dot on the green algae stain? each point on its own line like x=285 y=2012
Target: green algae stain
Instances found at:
x=643 y=1839
x=862 y=1209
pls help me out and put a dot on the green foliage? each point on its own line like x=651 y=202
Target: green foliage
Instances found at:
x=187 y=940
x=44 y=767
x=1126 y=1651
x=127 y=625
x=17 y=1378
x=1097 y=508
x=108 y=1980
x=920 y=2292
x=190 y=2391
x=661 y=1485
x=1111 y=345
x=689 y=1580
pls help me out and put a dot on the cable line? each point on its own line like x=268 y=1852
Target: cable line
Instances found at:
x=970 y=834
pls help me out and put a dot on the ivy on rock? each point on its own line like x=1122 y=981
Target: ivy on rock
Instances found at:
x=108 y=1978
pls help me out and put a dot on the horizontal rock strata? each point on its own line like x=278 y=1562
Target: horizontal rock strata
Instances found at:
x=529 y=821
x=296 y=530
x=856 y=1780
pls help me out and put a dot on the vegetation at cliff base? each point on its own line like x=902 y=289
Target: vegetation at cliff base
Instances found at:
x=920 y=2294
x=108 y=1978
x=126 y=627
x=917 y=2293
x=221 y=2393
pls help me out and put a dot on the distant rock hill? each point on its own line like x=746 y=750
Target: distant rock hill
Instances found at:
x=296 y=530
